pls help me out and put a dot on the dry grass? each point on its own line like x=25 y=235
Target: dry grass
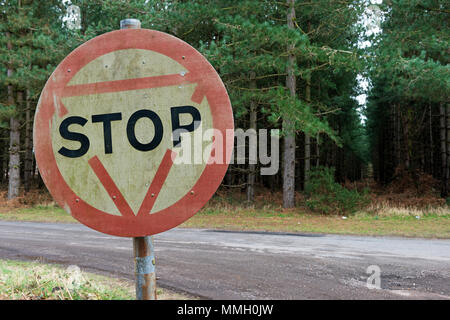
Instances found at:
x=428 y=218
x=359 y=224
x=385 y=209
x=32 y=198
x=380 y=218
x=36 y=281
x=39 y=213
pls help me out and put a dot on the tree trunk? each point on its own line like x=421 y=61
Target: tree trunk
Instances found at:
x=394 y=144
x=397 y=136
x=2 y=168
x=28 y=163
x=431 y=142
x=289 y=139
x=406 y=142
x=442 y=127
x=307 y=157
x=447 y=174
x=5 y=159
x=253 y=125
x=14 y=155
x=14 y=140
x=318 y=150
x=307 y=136
x=229 y=178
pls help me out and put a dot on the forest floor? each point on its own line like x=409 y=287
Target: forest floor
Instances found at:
x=391 y=211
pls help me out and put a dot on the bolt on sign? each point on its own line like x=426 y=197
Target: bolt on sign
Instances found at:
x=105 y=132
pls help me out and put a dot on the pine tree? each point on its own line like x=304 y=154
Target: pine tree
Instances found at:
x=29 y=51
x=250 y=44
x=410 y=73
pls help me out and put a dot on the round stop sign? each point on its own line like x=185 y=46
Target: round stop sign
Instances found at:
x=112 y=121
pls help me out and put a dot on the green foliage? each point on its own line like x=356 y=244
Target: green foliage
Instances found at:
x=410 y=78
x=411 y=53
x=6 y=112
x=304 y=118
x=250 y=44
x=32 y=43
x=247 y=41
x=326 y=196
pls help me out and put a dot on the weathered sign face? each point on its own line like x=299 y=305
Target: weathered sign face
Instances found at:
x=105 y=132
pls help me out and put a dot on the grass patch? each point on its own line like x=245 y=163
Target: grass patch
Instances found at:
x=431 y=223
x=232 y=213
x=39 y=213
x=384 y=209
x=35 y=281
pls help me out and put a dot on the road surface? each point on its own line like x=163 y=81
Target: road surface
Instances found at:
x=249 y=265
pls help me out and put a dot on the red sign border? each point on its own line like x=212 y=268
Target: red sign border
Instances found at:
x=209 y=85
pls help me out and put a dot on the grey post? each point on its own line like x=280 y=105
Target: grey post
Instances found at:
x=130 y=24
x=144 y=253
x=144 y=262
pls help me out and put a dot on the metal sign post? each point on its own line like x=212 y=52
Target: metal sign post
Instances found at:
x=144 y=254
x=144 y=262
